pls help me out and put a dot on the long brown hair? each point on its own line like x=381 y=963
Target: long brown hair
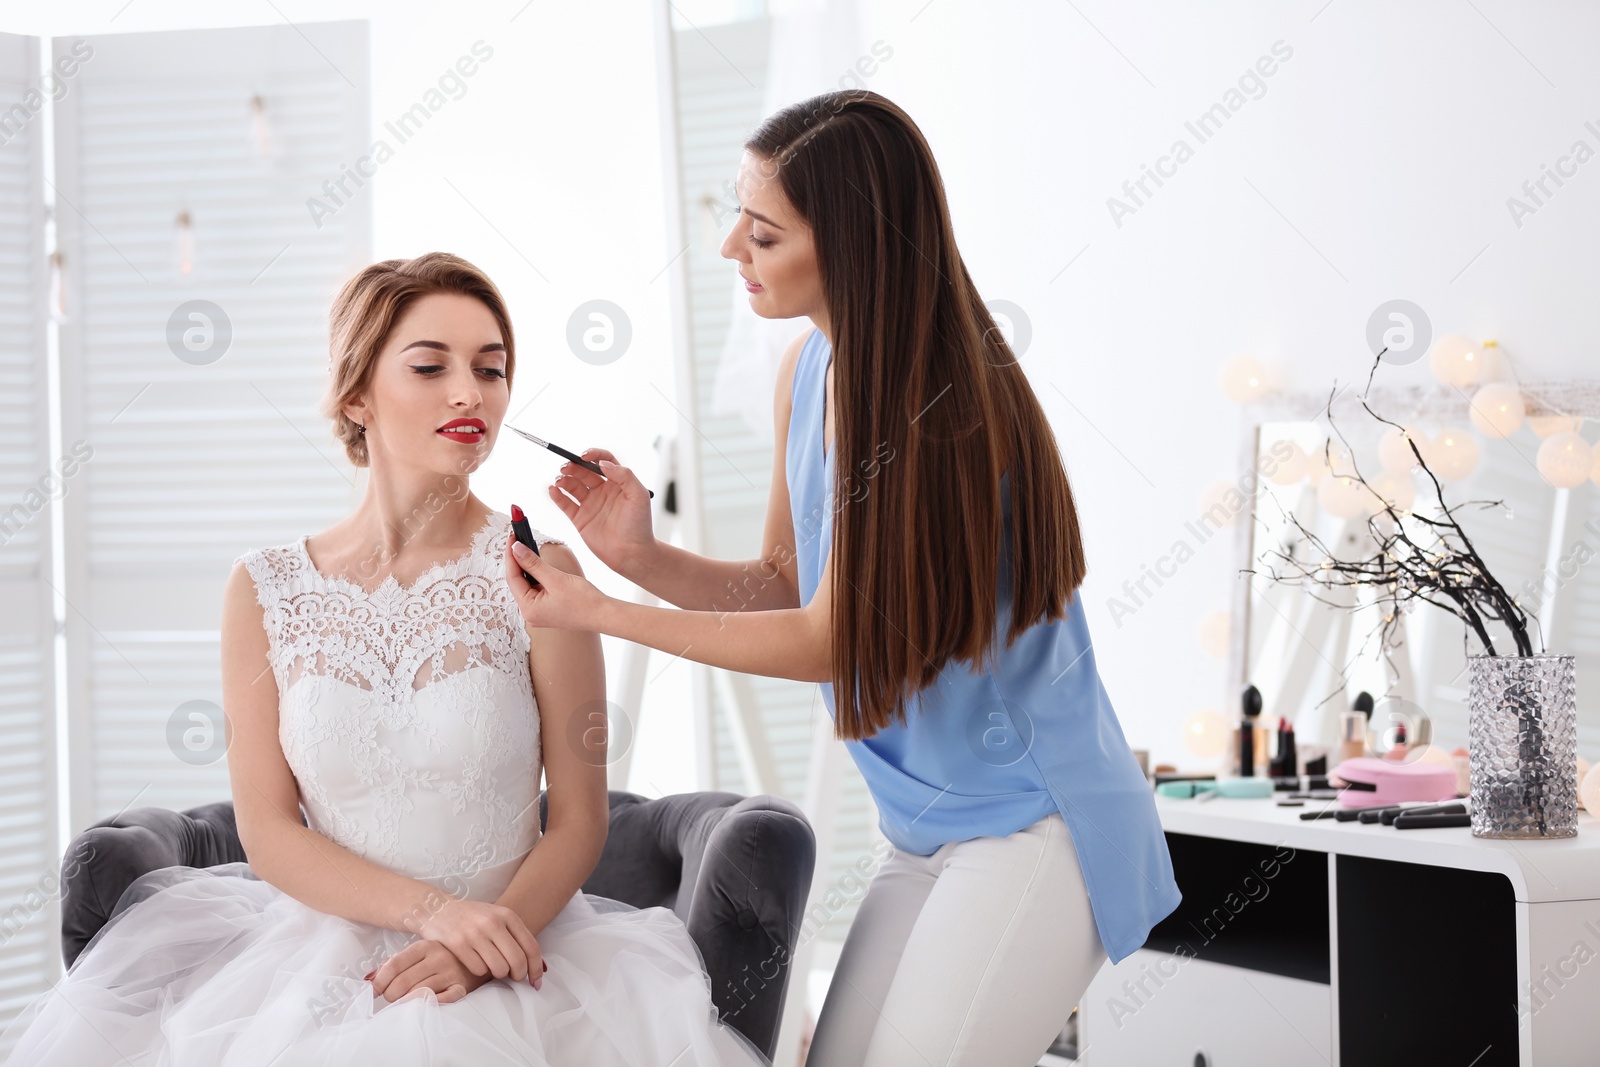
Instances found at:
x=920 y=366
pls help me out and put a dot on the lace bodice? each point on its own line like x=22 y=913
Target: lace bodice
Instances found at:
x=407 y=714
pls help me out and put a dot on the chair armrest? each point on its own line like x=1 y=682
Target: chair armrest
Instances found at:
x=750 y=877
x=104 y=860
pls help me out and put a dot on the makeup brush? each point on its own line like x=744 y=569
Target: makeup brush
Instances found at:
x=558 y=450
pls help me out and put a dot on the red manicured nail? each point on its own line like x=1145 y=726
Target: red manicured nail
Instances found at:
x=546 y=965
x=369 y=975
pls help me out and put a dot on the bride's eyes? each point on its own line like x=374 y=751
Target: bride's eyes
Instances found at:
x=429 y=370
x=759 y=243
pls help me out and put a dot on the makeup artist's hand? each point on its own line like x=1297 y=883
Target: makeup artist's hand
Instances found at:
x=563 y=600
x=611 y=514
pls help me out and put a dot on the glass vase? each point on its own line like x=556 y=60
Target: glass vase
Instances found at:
x=1523 y=746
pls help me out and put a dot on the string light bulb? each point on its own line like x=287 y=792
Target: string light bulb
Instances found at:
x=1454 y=360
x=1565 y=460
x=1497 y=409
x=1245 y=379
x=1453 y=455
x=1394 y=449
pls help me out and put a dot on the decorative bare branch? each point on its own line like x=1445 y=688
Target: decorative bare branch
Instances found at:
x=1448 y=573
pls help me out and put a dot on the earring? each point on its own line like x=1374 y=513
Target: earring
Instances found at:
x=362 y=429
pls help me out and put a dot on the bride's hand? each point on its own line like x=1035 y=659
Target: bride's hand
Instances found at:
x=427 y=963
x=490 y=940
x=563 y=600
x=611 y=514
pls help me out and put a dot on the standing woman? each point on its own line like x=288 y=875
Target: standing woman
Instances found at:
x=920 y=558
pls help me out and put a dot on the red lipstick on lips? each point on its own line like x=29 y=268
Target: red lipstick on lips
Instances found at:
x=464 y=435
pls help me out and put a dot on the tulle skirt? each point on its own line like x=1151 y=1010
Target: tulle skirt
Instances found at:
x=219 y=969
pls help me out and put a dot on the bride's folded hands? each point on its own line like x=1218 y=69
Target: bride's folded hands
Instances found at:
x=463 y=945
x=490 y=940
x=425 y=963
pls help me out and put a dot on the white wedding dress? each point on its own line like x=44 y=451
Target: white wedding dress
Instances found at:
x=409 y=720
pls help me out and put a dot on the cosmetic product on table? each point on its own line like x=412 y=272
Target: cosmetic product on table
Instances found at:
x=1398 y=750
x=1455 y=807
x=1174 y=776
x=1409 y=821
x=1387 y=814
x=1250 y=712
x=1353 y=727
x=1284 y=762
x=1341 y=814
x=1386 y=781
x=1301 y=782
x=1238 y=788
x=1322 y=813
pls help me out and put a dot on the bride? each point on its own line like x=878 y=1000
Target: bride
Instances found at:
x=380 y=676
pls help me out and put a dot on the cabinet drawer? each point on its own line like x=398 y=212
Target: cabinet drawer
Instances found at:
x=1156 y=1009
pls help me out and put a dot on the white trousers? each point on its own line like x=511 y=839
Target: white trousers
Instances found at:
x=975 y=955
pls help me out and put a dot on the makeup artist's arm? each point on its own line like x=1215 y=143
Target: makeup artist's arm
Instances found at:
x=612 y=515
x=779 y=643
x=308 y=865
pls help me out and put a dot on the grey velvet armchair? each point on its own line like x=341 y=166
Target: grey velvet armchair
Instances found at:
x=735 y=869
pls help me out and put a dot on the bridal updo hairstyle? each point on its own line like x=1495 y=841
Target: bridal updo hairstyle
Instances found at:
x=364 y=314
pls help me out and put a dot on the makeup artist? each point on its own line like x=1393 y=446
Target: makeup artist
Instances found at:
x=919 y=560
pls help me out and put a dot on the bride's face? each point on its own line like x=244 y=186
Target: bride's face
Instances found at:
x=440 y=377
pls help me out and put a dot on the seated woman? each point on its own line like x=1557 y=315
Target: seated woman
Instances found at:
x=379 y=675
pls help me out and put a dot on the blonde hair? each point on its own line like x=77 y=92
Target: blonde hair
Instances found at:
x=364 y=314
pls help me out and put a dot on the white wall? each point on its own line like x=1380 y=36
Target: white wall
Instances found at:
x=1375 y=165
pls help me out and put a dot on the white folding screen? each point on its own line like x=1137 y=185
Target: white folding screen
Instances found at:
x=202 y=246
x=30 y=846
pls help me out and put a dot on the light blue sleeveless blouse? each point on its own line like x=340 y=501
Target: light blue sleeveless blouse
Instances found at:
x=987 y=754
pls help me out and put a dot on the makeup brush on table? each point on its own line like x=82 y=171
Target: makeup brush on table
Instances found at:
x=558 y=450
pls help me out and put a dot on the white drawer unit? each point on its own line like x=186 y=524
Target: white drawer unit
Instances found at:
x=1326 y=942
x=1160 y=1009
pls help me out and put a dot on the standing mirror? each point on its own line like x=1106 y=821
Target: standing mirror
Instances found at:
x=1310 y=651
